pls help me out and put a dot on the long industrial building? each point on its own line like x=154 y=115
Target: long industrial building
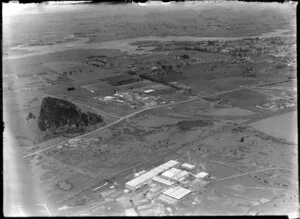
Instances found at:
x=144 y=178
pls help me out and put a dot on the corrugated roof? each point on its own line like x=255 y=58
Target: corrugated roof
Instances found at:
x=155 y=171
x=188 y=166
x=163 y=181
x=181 y=175
x=177 y=192
x=171 y=172
x=175 y=173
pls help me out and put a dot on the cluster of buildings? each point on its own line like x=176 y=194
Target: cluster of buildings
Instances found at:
x=134 y=99
x=164 y=185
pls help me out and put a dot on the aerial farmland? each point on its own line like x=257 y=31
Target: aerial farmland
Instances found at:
x=124 y=110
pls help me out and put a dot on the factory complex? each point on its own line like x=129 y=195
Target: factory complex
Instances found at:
x=167 y=183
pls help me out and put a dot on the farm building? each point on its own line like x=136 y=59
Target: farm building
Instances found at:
x=146 y=177
x=177 y=192
x=188 y=166
x=175 y=174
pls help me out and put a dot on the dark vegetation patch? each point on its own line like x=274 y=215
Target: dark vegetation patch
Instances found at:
x=163 y=77
x=30 y=116
x=60 y=116
x=185 y=56
x=119 y=80
x=70 y=88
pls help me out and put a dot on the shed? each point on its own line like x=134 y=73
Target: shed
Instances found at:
x=201 y=175
x=188 y=166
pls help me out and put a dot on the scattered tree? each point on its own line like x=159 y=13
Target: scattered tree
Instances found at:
x=185 y=56
x=242 y=139
x=31 y=116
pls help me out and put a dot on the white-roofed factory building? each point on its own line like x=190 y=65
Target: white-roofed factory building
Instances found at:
x=201 y=175
x=146 y=177
x=175 y=174
x=163 y=182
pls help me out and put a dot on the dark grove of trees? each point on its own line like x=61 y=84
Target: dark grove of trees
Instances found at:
x=64 y=115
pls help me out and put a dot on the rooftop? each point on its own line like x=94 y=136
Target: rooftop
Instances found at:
x=177 y=192
x=188 y=166
x=175 y=174
x=150 y=174
x=162 y=180
x=201 y=175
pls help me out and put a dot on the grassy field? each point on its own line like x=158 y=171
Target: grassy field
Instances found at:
x=50 y=172
x=245 y=98
x=100 y=89
x=62 y=89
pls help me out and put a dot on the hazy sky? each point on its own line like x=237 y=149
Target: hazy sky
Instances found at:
x=10 y=9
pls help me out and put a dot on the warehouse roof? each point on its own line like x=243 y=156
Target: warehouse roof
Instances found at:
x=171 y=172
x=162 y=180
x=188 y=166
x=177 y=192
x=150 y=174
x=175 y=173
